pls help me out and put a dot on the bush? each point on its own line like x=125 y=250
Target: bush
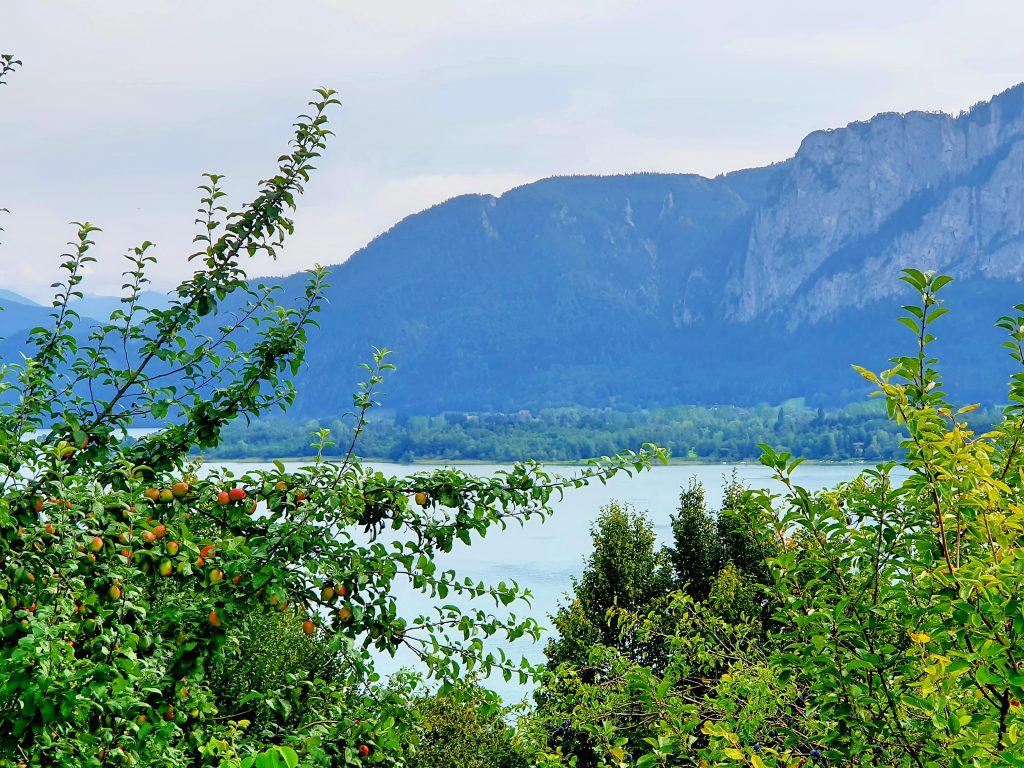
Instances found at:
x=139 y=599
x=897 y=627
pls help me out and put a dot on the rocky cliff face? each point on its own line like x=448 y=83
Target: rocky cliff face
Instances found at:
x=856 y=205
x=653 y=289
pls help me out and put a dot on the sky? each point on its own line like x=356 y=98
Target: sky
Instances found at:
x=120 y=106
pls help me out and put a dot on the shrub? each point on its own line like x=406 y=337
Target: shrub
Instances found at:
x=136 y=596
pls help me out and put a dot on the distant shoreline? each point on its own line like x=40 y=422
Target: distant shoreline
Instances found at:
x=558 y=463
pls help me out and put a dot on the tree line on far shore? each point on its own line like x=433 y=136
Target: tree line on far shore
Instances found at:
x=859 y=431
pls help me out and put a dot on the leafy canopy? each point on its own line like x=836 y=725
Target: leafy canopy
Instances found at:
x=152 y=612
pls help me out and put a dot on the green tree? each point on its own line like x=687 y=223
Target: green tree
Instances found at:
x=705 y=543
x=468 y=730
x=136 y=597
x=897 y=634
x=697 y=553
x=624 y=570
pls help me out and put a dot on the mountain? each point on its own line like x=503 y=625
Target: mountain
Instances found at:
x=12 y=297
x=101 y=307
x=647 y=289
x=20 y=314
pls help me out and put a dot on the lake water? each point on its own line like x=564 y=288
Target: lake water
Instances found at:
x=544 y=555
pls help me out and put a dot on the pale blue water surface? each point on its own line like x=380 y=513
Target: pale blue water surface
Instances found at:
x=542 y=556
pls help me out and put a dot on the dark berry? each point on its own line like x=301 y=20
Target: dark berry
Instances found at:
x=815 y=753
x=757 y=746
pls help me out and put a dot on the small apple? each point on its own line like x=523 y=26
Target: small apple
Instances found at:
x=223 y=498
x=237 y=494
x=149 y=536
x=308 y=627
x=96 y=545
x=166 y=496
x=421 y=498
x=115 y=592
x=151 y=493
x=364 y=750
x=216 y=575
x=180 y=489
x=166 y=567
x=214 y=618
x=345 y=613
x=172 y=548
x=160 y=530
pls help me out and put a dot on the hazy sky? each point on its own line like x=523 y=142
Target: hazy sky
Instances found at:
x=120 y=106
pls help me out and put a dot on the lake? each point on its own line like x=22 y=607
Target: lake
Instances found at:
x=544 y=555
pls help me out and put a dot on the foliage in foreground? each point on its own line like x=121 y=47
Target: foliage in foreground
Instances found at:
x=896 y=630
x=151 y=616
